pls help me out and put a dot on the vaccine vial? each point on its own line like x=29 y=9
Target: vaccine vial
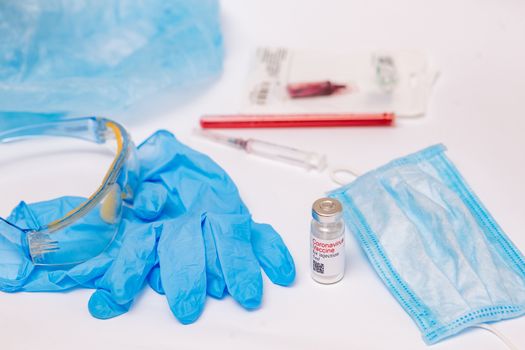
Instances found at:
x=327 y=241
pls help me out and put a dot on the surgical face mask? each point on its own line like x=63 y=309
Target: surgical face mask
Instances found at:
x=434 y=245
x=88 y=229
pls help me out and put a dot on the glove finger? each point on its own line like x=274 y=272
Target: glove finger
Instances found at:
x=150 y=200
x=272 y=254
x=183 y=267
x=126 y=275
x=102 y=305
x=242 y=273
x=154 y=280
x=215 y=284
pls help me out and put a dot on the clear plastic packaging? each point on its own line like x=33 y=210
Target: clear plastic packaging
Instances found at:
x=100 y=57
x=396 y=81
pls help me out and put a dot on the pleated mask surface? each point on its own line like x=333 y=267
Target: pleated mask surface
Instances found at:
x=434 y=245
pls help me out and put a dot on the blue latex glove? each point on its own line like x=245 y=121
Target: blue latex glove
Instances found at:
x=210 y=244
x=118 y=273
x=189 y=212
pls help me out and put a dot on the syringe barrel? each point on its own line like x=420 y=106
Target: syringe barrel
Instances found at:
x=305 y=159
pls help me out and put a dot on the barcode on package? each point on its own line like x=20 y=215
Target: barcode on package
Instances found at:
x=318 y=267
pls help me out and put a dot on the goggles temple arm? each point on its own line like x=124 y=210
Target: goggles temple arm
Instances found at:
x=91 y=129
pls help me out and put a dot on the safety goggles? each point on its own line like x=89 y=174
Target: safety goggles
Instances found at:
x=88 y=229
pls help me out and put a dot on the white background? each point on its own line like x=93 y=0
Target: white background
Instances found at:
x=476 y=110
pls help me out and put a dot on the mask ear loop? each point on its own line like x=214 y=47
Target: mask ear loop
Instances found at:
x=338 y=175
x=498 y=334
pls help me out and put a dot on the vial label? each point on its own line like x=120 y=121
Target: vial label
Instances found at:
x=328 y=256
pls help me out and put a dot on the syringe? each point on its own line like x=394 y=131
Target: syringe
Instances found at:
x=290 y=155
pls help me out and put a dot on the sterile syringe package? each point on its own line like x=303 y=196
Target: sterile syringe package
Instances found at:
x=283 y=80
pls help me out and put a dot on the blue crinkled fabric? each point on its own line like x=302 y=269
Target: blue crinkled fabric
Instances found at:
x=60 y=57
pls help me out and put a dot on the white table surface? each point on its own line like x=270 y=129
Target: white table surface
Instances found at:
x=476 y=110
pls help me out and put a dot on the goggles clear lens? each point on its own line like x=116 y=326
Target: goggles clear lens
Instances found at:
x=91 y=225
